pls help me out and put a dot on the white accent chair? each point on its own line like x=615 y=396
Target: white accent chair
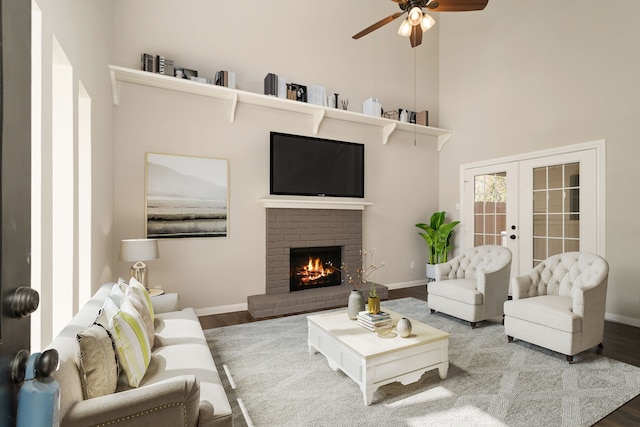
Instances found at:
x=472 y=286
x=560 y=304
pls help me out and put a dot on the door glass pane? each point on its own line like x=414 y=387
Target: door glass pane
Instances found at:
x=571 y=226
x=556 y=210
x=539 y=179
x=490 y=197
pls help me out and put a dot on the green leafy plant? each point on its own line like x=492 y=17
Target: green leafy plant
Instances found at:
x=373 y=291
x=437 y=234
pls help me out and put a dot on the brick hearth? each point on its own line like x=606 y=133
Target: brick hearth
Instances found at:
x=298 y=228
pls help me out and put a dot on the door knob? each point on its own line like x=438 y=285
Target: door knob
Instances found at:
x=24 y=301
x=19 y=366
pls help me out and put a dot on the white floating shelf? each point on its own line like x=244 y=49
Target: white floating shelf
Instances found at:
x=309 y=202
x=235 y=96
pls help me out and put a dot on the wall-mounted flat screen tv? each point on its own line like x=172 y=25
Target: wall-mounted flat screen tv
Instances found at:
x=306 y=166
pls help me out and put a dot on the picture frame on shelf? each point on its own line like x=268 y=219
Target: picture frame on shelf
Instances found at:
x=186 y=196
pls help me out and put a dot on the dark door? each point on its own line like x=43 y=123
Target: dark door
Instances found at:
x=15 y=188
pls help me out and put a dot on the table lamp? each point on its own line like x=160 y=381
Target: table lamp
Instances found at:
x=139 y=250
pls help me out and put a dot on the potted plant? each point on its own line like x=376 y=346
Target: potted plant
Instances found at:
x=373 y=304
x=437 y=235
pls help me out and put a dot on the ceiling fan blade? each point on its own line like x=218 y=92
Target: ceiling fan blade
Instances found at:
x=456 y=5
x=416 y=36
x=377 y=25
x=400 y=1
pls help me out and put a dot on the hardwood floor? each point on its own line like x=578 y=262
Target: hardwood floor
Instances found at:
x=621 y=342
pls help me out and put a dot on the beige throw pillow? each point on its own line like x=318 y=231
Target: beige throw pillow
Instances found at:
x=97 y=362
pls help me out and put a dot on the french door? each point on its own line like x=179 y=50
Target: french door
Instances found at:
x=538 y=205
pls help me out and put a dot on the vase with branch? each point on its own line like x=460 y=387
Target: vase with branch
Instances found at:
x=358 y=279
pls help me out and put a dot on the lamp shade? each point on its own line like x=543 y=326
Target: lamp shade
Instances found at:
x=427 y=22
x=139 y=249
x=405 y=28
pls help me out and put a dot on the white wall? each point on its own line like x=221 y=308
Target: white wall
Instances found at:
x=83 y=30
x=310 y=44
x=526 y=76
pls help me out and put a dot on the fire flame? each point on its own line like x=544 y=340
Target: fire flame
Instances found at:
x=314 y=270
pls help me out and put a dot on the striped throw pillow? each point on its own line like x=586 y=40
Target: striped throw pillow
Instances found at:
x=132 y=345
x=143 y=310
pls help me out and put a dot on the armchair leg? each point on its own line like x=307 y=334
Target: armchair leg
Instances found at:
x=570 y=359
x=509 y=338
x=473 y=325
x=600 y=345
x=432 y=311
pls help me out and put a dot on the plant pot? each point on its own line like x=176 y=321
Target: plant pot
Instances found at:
x=431 y=271
x=355 y=304
x=374 y=305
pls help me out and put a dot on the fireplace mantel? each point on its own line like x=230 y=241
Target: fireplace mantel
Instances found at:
x=302 y=202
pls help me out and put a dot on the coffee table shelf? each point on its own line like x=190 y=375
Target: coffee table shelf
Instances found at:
x=372 y=361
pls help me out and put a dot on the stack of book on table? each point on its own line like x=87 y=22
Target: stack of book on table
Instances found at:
x=370 y=321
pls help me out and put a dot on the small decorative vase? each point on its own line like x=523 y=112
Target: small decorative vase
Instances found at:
x=374 y=305
x=404 y=327
x=355 y=304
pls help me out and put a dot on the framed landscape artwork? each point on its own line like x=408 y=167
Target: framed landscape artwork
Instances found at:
x=186 y=196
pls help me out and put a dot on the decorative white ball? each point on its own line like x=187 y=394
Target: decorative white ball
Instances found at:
x=404 y=327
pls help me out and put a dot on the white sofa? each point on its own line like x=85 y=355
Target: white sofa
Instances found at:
x=560 y=304
x=472 y=286
x=181 y=386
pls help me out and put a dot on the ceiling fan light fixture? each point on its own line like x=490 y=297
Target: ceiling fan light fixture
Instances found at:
x=427 y=22
x=415 y=16
x=405 y=28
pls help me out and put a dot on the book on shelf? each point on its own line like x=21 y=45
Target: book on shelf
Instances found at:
x=206 y=80
x=282 y=87
x=226 y=79
x=165 y=66
x=317 y=95
x=271 y=84
x=147 y=62
x=372 y=326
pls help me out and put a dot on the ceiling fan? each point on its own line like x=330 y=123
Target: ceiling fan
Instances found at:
x=417 y=21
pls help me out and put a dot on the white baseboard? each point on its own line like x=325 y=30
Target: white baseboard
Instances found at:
x=622 y=319
x=207 y=311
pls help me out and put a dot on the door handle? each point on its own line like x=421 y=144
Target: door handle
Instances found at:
x=512 y=237
x=24 y=301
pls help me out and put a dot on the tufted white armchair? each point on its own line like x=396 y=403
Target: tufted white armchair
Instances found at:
x=472 y=286
x=560 y=304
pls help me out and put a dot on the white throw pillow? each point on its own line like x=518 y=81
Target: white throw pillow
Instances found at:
x=106 y=313
x=117 y=294
x=132 y=345
x=142 y=292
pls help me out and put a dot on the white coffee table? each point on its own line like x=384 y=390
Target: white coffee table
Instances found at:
x=372 y=361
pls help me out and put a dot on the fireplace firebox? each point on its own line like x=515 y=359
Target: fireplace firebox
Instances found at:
x=313 y=267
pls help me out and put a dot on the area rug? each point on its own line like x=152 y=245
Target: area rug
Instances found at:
x=272 y=380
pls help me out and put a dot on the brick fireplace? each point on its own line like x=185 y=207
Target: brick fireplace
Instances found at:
x=288 y=228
